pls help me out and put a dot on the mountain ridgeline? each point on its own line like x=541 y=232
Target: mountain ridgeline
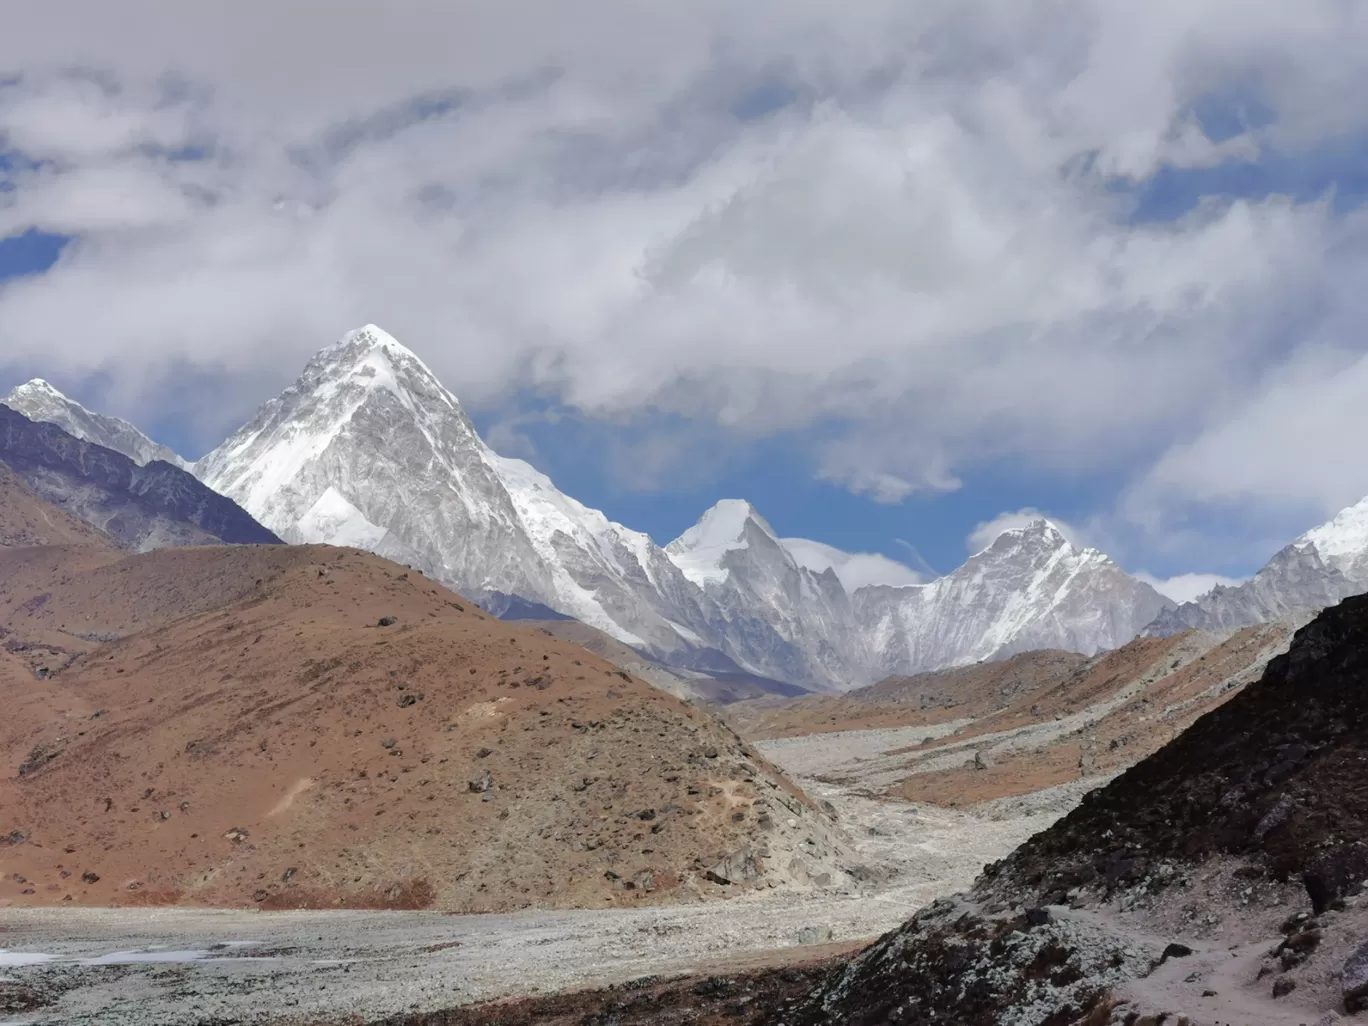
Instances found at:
x=368 y=449
x=137 y=506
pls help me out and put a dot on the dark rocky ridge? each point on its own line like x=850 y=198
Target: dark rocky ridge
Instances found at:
x=1278 y=775
x=1276 y=778
x=141 y=507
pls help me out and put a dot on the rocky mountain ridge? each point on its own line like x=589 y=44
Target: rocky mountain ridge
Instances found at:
x=368 y=448
x=139 y=507
x=41 y=402
x=1325 y=565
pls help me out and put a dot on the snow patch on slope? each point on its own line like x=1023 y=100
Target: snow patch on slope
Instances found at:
x=332 y=520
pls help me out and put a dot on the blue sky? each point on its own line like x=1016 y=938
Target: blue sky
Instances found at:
x=889 y=272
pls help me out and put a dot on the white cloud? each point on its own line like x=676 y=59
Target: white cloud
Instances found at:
x=923 y=260
x=1292 y=443
x=985 y=533
x=854 y=569
x=1186 y=587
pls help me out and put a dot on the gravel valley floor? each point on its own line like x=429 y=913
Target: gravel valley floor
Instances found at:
x=138 y=967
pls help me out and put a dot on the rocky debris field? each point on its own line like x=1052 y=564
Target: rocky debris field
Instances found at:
x=1037 y=721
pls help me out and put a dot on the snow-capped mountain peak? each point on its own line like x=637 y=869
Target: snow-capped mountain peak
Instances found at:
x=40 y=401
x=1343 y=541
x=1326 y=564
x=700 y=552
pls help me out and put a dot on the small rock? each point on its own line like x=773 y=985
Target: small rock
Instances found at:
x=1354 y=980
x=288 y=875
x=1307 y=940
x=1038 y=916
x=407 y=700
x=484 y=753
x=1336 y=874
x=389 y=742
x=814 y=935
x=236 y=834
x=481 y=783
x=1283 y=987
x=89 y=877
x=386 y=621
x=980 y=763
x=1174 y=950
x=738 y=867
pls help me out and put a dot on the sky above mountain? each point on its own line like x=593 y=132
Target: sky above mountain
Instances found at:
x=891 y=271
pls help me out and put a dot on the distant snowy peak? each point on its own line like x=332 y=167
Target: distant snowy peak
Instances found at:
x=368 y=448
x=1343 y=541
x=700 y=552
x=41 y=402
x=1040 y=534
x=293 y=431
x=1324 y=566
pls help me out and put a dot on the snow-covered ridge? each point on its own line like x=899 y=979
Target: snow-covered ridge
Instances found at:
x=369 y=448
x=40 y=401
x=1322 y=567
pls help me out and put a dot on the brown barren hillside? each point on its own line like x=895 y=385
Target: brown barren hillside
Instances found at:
x=318 y=727
x=1036 y=721
x=926 y=698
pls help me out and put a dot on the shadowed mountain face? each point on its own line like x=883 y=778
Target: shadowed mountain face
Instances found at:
x=26 y=520
x=43 y=404
x=141 y=507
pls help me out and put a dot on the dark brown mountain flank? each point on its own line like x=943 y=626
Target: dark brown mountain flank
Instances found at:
x=317 y=727
x=25 y=519
x=141 y=507
x=1278 y=775
x=1264 y=799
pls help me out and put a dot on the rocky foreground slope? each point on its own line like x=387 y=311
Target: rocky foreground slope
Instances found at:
x=1238 y=846
x=290 y=727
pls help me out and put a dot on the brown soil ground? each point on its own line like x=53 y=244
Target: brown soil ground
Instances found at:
x=1168 y=699
x=230 y=725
